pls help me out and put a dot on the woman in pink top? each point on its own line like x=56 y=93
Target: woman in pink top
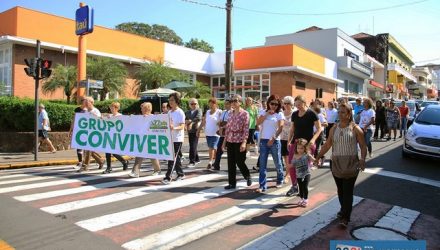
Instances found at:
x=236 y=134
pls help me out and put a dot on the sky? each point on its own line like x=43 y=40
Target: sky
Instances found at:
x=415 y=25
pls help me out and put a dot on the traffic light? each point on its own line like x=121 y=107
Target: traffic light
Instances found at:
x=31 y=69
x=45 y=68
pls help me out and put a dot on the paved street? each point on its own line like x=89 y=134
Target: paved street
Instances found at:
x=54 y=208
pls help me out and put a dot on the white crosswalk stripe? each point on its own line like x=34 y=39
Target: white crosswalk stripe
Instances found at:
x=58 y=182
x=75 y=205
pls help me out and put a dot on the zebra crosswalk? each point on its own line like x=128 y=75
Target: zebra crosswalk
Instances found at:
x=140 y=213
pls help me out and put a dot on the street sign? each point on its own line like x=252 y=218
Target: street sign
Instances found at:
x=91 y=84
x=84 y=20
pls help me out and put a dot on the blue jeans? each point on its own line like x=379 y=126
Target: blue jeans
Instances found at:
x=403 y=122
x=367 y=136
x=275 y=151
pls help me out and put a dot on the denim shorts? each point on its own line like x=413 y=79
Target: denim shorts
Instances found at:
x=212 y=141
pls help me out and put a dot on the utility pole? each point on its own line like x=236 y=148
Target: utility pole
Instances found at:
x=228 y=47
x=37 y=83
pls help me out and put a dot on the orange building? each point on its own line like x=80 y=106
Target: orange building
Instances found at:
x=258 y=72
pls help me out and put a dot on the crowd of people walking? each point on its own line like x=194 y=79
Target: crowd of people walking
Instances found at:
x=296 y=135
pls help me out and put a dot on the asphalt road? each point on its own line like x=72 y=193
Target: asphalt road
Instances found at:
x=389 y=180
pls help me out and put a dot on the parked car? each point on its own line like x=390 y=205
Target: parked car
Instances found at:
x=427 y=103
x=423 y=136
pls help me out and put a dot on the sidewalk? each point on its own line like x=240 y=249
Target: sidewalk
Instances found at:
x=65 y=157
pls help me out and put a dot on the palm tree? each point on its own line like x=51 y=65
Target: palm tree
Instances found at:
x=112 y=72
x=154 y=75
x=62 y=77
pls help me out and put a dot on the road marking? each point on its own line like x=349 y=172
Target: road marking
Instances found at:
x=380 y=171
x=399 y=219
x=296 y=231
x=116 y=219
x=75 y=205
x=58 y=182
x=193 y=230
x=51 y=194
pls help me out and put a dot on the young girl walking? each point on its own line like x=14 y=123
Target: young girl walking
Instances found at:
x=301 y=162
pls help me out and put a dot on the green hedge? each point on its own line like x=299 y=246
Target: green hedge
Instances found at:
x=17 y=114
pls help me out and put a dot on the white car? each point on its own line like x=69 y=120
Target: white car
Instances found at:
x=423 y=136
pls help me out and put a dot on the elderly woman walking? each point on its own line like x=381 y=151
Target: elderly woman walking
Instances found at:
x=146 y=109
x=393 y=118
x=343 y=139
x=237 y=131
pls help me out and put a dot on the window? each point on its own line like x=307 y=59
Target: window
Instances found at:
x=351 y=54
x=5 y=70
x=352 y=87
x=300 y=85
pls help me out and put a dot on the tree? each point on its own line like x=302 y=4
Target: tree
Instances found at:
x=156 y=31
x=112 y=72
x=201 y=45
x=154 y=75
x=201 y=90
x=62 y=77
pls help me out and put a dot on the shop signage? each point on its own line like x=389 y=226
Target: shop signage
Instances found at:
x=84 y=20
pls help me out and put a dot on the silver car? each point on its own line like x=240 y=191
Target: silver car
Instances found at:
x=423 y=136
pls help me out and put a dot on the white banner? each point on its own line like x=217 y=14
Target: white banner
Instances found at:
x=135 y=135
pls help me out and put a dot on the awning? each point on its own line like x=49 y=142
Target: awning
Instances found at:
x=376 y=84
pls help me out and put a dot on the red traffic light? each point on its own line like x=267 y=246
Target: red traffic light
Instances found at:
x=45 y=64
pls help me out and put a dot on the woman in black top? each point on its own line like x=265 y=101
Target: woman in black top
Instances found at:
x=380 y=120
x=303 y=121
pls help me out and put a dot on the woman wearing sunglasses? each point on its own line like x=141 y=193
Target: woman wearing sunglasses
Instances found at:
x=271 y=121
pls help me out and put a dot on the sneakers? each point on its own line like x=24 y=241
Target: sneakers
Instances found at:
x=165 y=182
x=78 y=166
x=133 y=175
x=83 y=168
x=249 y=181
x=370 y=155
x=209 y=166
x=107 y=171
x=179 y=178
x=260 y=190
x=191 y=165
x=229 y=187
x=156 y=173
x=302 y=203
x=279 y=185
x=292 y=191
x=125 y=166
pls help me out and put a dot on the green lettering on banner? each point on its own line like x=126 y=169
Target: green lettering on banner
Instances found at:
x=101 y=125
x=119 y=125
x=140 y=145
x=123 y=144
x=111 y=141
x=131 y=143
x=92 y=123
x=82 y=123
x=163 y=145
x=110 y=125
x=152 y=144
x=93 y=144
x=78 y=137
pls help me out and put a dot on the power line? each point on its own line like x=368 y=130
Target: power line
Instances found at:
x=204 y=4
x=329 y=13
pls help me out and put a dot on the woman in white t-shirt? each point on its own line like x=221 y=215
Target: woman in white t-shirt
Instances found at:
x=210 y=124
x=271 y=122
x=332 y=115
x=177 y=125
x=367 y=122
